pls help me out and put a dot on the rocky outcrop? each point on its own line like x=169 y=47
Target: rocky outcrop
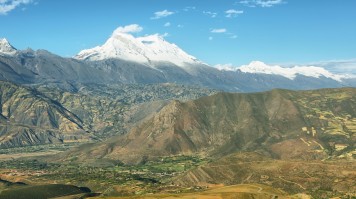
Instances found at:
x=30 y=118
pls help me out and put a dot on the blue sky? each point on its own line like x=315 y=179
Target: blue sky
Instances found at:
x=215 y=31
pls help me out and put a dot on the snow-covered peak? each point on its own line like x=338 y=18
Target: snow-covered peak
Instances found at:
x=290 y=73
x=146 y=50
x=161 y=50
x=6 y=47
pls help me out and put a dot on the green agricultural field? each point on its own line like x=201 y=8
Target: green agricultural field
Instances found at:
x=42 y=191
x=148 y=177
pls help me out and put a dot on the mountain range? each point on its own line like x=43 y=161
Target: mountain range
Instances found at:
x=36 y=116
x=307 y=125
x=141 y=114
x=126 y=59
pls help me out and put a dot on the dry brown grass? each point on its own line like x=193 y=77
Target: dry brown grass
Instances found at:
x=226 y=192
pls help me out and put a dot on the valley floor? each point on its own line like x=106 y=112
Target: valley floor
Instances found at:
x=242 y=191
x=171 y=177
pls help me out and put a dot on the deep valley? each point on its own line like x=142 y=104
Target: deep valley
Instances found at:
x=166 y=144
x=105 y=99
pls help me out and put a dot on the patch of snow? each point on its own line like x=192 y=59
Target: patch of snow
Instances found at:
x=145 y=50
x=290 y=73
x=6 y=47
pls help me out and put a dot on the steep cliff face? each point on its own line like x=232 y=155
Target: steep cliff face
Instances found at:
x=29 y=117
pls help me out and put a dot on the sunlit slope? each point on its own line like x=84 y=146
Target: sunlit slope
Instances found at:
x=318 y=124
x=28 y=117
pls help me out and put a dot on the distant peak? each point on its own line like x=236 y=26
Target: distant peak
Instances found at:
x=257 y=63
x=3 y=40
x=289 y=72
x=6 y=47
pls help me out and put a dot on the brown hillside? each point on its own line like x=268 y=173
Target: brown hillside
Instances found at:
x=294 y=176
x=314 y=122
x=28 y=118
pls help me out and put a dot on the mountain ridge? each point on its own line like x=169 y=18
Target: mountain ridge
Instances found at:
x=31 y=118
x=42 y=67
x=41 y=115
x=225 y=123
x=290 y=73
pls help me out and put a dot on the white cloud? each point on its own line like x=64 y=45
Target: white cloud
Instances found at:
x=233 y=37
x=166 y=34
x=221 y=30
x=211 y=14
x=233 y=13
x=189 y=8
x=210 y=38
x=261 y=3
x=167 y=24
x=161 y=14
x=133 y=28
x=227 y=67
x=7 y=6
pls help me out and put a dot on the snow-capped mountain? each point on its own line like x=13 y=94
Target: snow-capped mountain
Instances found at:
x=6 y=47
x=150 y=60
x=259 y=67
x=147 y=50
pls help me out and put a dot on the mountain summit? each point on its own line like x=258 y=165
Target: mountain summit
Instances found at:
x=148 y=50
x=6 y=47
